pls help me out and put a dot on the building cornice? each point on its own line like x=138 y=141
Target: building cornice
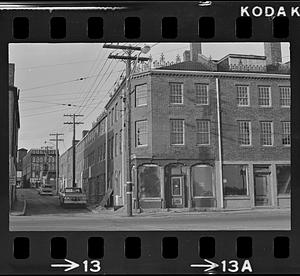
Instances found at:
x=248 y=75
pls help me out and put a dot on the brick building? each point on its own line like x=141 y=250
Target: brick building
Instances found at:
x=205 y=134
x=14 y=126
x=39 y=165
x=20 y=155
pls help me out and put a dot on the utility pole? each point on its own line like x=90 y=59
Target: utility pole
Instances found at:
x=128 y=50
x=74 y=123
x=56 y=157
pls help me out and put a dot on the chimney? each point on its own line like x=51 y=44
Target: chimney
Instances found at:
x=187 y=55
x=84 y=132
x=273 y=53
x=196 y=49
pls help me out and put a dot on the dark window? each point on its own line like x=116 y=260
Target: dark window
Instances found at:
x=149 y=181
x=235 y=180
x=283 y=174
x=202 y=181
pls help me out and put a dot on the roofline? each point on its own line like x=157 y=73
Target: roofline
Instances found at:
x=225 y=73
x=249 y=56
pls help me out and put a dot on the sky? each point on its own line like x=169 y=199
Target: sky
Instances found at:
x=51 y=76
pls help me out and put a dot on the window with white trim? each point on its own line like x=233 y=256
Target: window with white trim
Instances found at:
x=244 y=133
x=264 y=96
x=203 y=132
x=266 y=133
x=141 y=133
x=201 y=94
x=285 y=96
x=176 y=93
x=177 y=132
x=286 y=133
x=141 y=95
x=243 y=95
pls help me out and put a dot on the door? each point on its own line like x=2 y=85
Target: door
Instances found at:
x=262 y=191
x=177 y=191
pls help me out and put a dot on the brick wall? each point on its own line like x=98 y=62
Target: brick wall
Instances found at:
x=231 y=113
x=163 y=111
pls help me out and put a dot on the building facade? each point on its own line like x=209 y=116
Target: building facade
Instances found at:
x=39 y=167
x=204 y=134
x=14 y=125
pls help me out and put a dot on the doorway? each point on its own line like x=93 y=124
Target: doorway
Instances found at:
x=262 y=186
x=177 y=191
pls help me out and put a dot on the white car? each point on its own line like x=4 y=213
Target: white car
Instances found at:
x=72 y=196
x=45 y=190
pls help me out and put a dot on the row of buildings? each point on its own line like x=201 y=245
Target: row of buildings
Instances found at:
x=204 y=134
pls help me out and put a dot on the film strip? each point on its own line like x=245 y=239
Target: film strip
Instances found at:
x=224 y=206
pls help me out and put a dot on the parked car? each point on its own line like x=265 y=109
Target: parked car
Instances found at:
x=72 y=196
x=45 y=190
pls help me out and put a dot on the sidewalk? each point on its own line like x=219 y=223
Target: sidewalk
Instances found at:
x=185 y=211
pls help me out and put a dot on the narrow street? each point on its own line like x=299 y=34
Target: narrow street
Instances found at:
x=45 y=204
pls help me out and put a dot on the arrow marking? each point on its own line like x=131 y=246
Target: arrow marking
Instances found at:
x=210 y=265
x=69 y=266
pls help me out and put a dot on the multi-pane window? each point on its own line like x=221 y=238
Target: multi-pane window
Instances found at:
x=116 y=112
x=141 y=133
x=176 y=93
x=141 y=95
x=177 y=132
x=286 y=133
x=266 y=133
x=201 y=94
x=112 y=116
x=243 y=95
x=203 y=132
x=116 y=144
x=285 y=96
x=244 y=133
x=264 y=96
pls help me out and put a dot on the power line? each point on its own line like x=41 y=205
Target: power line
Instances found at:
x=54 y=65
x=54 y=84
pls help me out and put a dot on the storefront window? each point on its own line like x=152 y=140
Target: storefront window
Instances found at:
x=149 y=181
x=235 y=180
x=283 y=174
x=202 y=181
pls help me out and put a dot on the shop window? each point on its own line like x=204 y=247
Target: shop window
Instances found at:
x=235 y=180
x=202 y=181
x=149 y=181
x=283 y=174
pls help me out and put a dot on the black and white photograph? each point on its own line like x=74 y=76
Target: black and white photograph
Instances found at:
x=149 y=136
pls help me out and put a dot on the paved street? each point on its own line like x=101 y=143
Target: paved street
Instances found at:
x=44 y=204
x=45 y=214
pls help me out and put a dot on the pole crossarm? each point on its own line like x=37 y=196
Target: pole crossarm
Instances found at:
x=128 y=57
x=122 y=47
